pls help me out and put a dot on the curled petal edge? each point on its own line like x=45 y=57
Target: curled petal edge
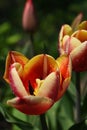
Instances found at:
x=32 y=105
x=13 y=57
x=16 y=82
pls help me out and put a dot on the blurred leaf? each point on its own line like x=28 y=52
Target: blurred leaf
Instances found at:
x=4 y=27
x=32 y=119
x=65 y=112
x=12 y=119
x=61 y=116
x=84 y=107
x=13 y=39
x=80 y=126
x=53 y=118
x=71 y=91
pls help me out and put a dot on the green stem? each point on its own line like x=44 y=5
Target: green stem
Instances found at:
x=78 y=98
x=32 y=43
x=43 y=122
x=29 y=46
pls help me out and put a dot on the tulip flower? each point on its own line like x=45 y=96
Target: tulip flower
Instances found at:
x=38 y=82
x=73 y=42
x=29 y=20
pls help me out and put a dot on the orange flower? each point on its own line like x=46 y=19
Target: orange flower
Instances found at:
x=37 y=83
x=29 y=20
x=73 y=41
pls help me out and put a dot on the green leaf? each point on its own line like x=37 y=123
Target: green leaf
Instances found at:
x=65 y=112
x=84 y=107
x=4 y=28
x=80 y=126
x=12 y=119
x=13 y=39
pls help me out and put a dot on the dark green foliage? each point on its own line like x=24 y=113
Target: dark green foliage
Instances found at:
x=80 y=126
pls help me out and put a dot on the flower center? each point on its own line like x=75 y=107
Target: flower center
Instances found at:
x=31 y=90
x=39 y=83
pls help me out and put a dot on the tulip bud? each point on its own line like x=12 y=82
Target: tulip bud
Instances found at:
x=29 y=20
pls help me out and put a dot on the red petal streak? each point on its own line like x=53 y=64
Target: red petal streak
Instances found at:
x=45 y=66
x=70 y=43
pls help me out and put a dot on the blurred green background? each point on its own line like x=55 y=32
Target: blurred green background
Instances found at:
x=52 y=14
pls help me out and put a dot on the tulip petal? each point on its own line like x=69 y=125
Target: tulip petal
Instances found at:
x=38 y=68
x=63 y=88
x=50 y=86
x=16 y=83
x=13 y=57
x=65 y=30
x=83 y=25
x=77 y=21
x=81 y=35
x=79 y=57
x=69 y=43
x=33 y=105
x=65 y=66
x=33 y=70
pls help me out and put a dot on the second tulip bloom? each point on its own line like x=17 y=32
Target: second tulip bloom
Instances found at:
x=74 y=42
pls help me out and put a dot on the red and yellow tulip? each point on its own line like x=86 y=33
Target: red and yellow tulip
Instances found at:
x=37 y=83
x=73 y=41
